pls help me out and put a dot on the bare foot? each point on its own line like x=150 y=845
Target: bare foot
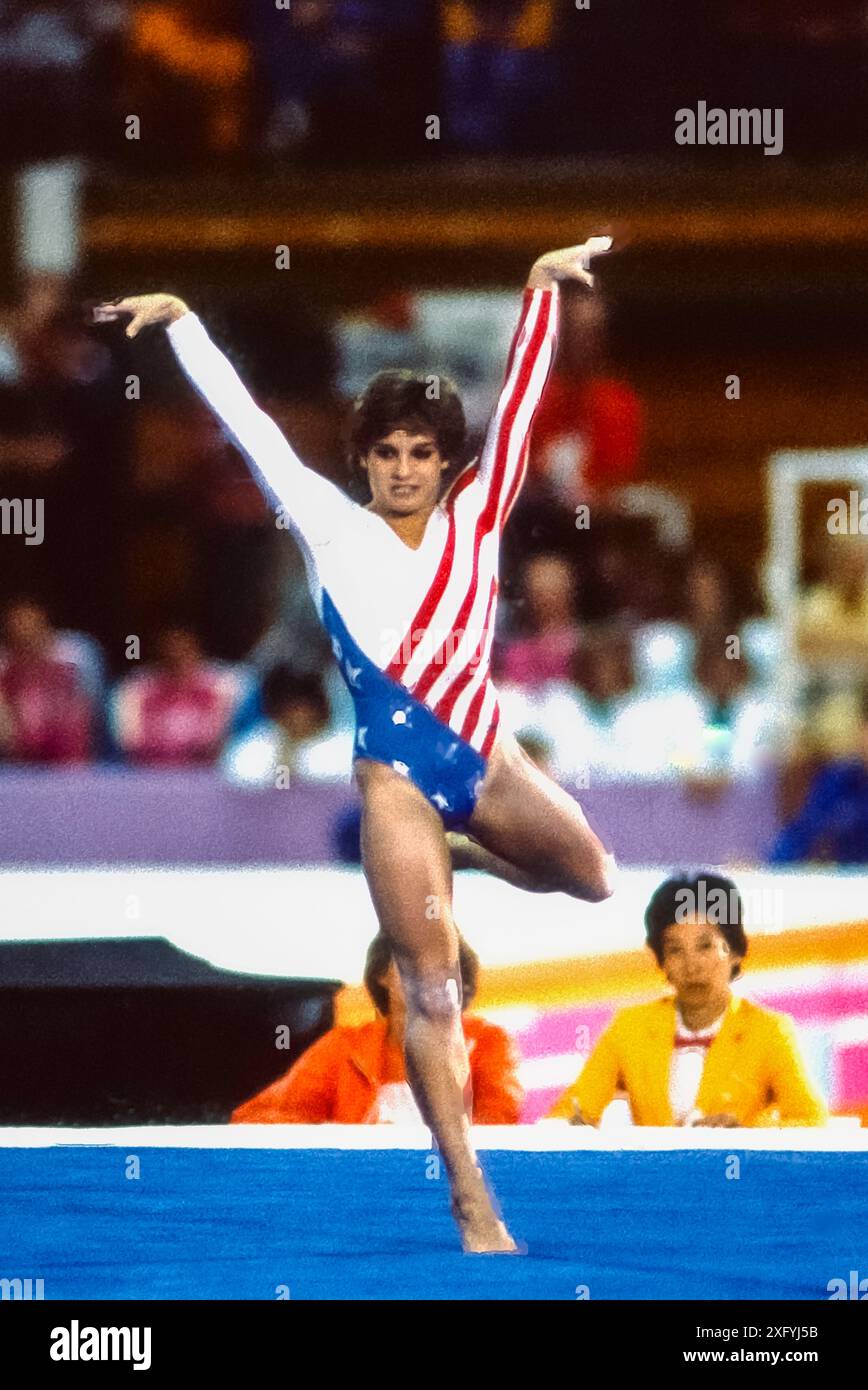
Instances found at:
x=482 y=1231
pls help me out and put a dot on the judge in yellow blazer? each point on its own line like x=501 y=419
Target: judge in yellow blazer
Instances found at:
x=703 y=1056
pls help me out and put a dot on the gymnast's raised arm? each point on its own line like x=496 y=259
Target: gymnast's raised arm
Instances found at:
x=314 y=505
x=503 y=462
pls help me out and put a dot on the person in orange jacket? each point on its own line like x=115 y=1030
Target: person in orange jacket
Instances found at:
x=704 y=1056
x=356 y=1075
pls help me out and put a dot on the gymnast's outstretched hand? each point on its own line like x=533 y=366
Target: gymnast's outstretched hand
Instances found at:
x=570 y=263
x=144 y=310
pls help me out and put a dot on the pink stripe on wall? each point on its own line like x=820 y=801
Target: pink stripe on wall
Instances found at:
x=538 y=1103
x=553 y=1033
x=828 y=1003
x=851 y=1065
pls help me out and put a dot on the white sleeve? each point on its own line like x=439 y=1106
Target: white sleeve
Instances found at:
x=313 y=505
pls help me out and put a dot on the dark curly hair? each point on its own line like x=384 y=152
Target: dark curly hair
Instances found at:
x=397 y=398
x=681 y=895
x=379 y=958
x=281 y=686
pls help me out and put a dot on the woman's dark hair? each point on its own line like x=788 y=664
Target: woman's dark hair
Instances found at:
x=711 y=650
x=399 y=398
x=379 y=958
x=703 y=895
x=603 y=640
x=281 y=686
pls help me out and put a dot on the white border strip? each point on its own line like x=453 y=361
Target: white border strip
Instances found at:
x=257 y=921
x=546 y=1136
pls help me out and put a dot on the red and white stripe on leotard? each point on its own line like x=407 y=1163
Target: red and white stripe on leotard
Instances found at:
x=450 y=675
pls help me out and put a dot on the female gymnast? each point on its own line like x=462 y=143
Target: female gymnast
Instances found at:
x=406 y=588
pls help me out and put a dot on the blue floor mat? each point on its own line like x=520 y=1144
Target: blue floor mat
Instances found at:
x=245 y=1223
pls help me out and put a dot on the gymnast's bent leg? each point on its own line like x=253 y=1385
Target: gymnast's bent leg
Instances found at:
x=406 y=862
x=524 y=818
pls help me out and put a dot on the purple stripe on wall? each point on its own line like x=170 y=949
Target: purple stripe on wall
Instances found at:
x=667 y=823
x=107 y=815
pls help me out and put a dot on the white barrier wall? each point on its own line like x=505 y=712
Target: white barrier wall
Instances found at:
x=316 y=923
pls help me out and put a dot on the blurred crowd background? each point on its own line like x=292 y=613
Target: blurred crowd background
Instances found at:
x=306 y=80
x=164 y=620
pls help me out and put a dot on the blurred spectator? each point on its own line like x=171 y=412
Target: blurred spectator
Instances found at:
x=187 y=80
x=715 y=725
x=65 y=428
x=576 y=717
x=832 y=826
x=833 y=615
x=31 y=448
x=727 y=726
x=461 y=333
x=501 y=75
x=809 y=59
x=69 y=51
x=602 y=725
x=546 y=653
x=664 y=655
x=209 y=78
x=708 y=601
x=356 y=1075
x=297 y=638
x=45 y=713
x=41 y=297
x=294 y=738
x=832 y=636
x=236 y=557
x=326 y=66
x=622 y=573
x=178 y=712
x=701 y=1056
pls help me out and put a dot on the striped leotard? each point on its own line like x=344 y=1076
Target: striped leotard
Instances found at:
x=411 y=629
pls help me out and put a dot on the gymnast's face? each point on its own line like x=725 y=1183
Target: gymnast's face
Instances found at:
x=697 y=961
x=405 y=471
